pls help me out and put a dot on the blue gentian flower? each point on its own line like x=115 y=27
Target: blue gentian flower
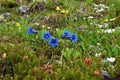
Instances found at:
x=46 y=36
x=31 y=30
x=73 y=38
x=66 y=34
x=53 y=42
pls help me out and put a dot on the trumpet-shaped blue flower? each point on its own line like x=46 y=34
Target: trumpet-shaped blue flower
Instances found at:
x=31 y=30
x=53 y=42
x=73 y=38
x=66 y=34
x=46 y=36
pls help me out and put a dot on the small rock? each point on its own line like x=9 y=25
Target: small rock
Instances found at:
x=106 y=76
x=109 y=59
x=6 y=15
x=23 y=9
x=59 y=61
x=44 y=1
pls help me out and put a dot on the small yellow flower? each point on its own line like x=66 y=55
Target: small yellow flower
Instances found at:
x=105 y=20
x=17 y=24
x=1 y=17
x=63 y=11
x=58 y=8
x=66 y=11
x=19 y=28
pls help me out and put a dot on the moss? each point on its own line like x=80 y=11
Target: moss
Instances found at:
x=9 y=3
x=117 y=68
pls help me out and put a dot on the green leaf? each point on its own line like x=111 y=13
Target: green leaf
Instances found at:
x=75 y=56
x=115 y=50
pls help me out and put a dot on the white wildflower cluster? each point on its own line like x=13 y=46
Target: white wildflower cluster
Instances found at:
x=43 y=26
x=109 y=30
x=98 y=54
x=100 y=8
x=105 y=25
x=23 y=9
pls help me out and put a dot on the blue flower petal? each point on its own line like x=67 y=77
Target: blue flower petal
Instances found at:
x=74 y=38
x=31 y=30
x=53 y=42
x=66 y=34
x=46 y=36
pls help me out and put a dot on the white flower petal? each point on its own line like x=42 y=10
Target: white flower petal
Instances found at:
x=111 y=59
x=97 y=54
x=98 y=44
x=90 y=17
x=57 y=29
x=100 y=26
x=112 y=19
x=43 y=26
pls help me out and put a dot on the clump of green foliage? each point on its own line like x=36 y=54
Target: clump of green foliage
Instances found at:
x=26 y=56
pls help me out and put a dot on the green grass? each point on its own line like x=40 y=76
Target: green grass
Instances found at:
x=16 y=43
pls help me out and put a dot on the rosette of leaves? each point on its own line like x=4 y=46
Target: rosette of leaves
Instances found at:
x=70 y=54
